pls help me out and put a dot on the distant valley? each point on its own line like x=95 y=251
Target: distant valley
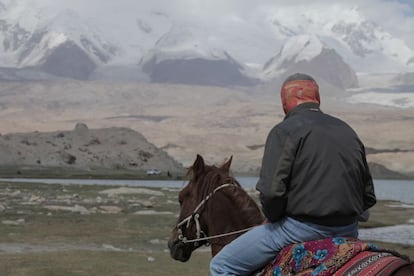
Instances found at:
x=185 y=120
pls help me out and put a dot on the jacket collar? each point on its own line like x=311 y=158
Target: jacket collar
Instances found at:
x=301 y=107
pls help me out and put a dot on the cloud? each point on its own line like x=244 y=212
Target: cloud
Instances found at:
x=399 y=19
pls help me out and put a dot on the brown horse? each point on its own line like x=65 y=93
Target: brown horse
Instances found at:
x=215 y=210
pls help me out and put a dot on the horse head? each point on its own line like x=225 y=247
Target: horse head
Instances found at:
x=213 y=207
x=196 y=206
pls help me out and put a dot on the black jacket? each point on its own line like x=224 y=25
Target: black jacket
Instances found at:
x=314 y=169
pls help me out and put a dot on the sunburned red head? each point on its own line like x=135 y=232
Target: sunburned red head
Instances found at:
x=297 y=89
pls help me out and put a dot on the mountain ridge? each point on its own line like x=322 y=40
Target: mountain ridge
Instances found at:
x=33 y=36
x=184 y=120
x=85 y=149
x=115 y=148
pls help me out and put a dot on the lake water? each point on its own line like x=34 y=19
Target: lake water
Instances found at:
x=399 y=190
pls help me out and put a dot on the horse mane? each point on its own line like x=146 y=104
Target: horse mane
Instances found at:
x=230 y=211
x=214 y=177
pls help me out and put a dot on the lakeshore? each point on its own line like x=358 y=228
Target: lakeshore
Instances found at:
x=77 y=229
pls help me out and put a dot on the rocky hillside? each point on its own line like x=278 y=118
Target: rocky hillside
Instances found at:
x=85 y=149
x=182 y=120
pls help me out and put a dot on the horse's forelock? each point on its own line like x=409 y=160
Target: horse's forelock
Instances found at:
x=211 y=178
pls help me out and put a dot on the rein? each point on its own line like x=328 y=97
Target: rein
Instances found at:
x=195 y=216
x=218 y=236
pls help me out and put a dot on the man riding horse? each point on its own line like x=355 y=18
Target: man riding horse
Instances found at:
x=314 y=182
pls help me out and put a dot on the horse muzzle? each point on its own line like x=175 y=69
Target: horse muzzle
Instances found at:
x=179 y=250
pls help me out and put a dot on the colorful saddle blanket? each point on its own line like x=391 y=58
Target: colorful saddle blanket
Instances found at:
x=330 y=257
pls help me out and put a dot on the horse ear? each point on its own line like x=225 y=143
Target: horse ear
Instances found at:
x=227 y=164
x=199 y=165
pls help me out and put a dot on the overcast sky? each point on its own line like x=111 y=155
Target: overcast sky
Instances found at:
x=397 y=16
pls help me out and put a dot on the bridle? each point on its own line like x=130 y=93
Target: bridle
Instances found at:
x=200 y=235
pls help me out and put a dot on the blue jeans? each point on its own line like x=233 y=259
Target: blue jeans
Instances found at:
x=254 y=249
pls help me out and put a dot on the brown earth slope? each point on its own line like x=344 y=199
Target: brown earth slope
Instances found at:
x=184 y=120
x=85 y=149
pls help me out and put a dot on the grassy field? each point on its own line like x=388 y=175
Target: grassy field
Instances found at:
x=96 y=173
x=104 y=230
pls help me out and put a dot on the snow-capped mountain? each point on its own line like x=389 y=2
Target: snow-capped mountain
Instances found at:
x=307 y=53
x=61 y=45
x=162 y=45
x=370 y=45
x=183 y=55
x=363 y=44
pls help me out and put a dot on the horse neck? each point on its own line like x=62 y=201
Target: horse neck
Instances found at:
x=407 y=270
x=228 y=212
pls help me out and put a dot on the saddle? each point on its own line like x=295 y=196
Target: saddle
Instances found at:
x=333 y=256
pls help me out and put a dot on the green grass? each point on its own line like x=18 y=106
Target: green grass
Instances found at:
x=58 y=242
x=101 y=263
x=383 y=215
x=68 y=172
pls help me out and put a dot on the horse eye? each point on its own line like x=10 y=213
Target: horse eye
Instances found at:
x=183 y=195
